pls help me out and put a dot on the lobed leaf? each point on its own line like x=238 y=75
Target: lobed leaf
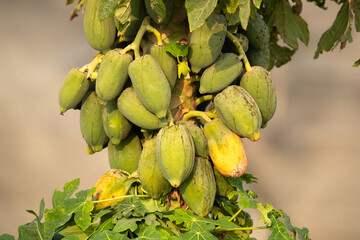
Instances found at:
x=107 y=8
x=109 y=235
x=198 y=11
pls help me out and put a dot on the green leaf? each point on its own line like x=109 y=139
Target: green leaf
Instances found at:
x=150 y=233
x=130 y=207
x=244 y=12
x=82 y=216
x=107 y=8
x=248 y=178
x=29 y=231
x=257 y=3
x=279 y=55
x=150 y=219
x=159 y=9
x=245 y=200
x=106 y=225
x=183 y=68
x=231 y=5
x=68 y=2
x=76 y=231
x=357 y=63
x=73 y=238
x=6 y=236
x=69 y=189
x=339 y=32
x=265 y=210
x=177 y=49
x=109 y=235
x=100 y=214
x=198 y=11
x=303 y=234
x=278 y=231
x=198 y=235
x=126 y=223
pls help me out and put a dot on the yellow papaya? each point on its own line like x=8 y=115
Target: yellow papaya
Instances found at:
x=226 y=149
x=110 y=185
x=73 y=89
x=206 y=42
x=150 y=84
x=199 y=189
x=112 y=76
x=125 y=155
x=175 y=153
x=160 y=11
x=116 y=126
x=91 y=123
x=150 y=175
x=200 y=142
x=99 y=34
x=239 y=111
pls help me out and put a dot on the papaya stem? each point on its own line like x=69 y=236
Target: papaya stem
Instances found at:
x=157 y=34
x=239 y=229
x=202 y=99
x=237 y=213
x=211 y=115
x=192 y=114
x=93 y=64
x=170 y=117
x=194 y=78
x=84 y=68
x=121 y=197
x=235 y=41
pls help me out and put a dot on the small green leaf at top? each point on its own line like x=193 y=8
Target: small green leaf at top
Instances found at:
x=69 y=189
x=7 y=237
x=265 y=210
x=177 y=49
x=198 y=11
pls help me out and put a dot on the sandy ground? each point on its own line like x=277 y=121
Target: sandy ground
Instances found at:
x=307 y=159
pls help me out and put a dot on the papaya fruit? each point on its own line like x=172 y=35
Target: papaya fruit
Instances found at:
x=91 y=125
x=175 y=152
x=73 y=89
x=160 y=11
x=258 y=32
x=229 y=47
x=200 y=142
x=239 y=111
x=259 y=57
x=150 y=175
x=220 y=74
x=199 y=189
x=112 y=76
x=259 y=85
x=226 y=149
x=116 y=126
x=150 y=84
x=110 y=185
x=125 y=155
x=206 y=42
x=99 y=34
x=132 y=109
x=223 y=188
x=167 y=62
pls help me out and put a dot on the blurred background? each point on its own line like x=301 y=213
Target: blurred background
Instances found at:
x=307 y=159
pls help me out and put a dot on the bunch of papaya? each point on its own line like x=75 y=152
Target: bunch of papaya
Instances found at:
x=172 y=106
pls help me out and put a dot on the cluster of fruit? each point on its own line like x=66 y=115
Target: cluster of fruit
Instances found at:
x=176 y=130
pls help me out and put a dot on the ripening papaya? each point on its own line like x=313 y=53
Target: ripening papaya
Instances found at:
x=259 y=57
x=239 y=111
x=163 y=16
x=175 y=152
x=206 y=42
x=113 y=73
x=150 y=84
x=200 y=142
x=99 y=34
x=259 y=85
x=91 y=125
x=126 y=154
x=150 y=175
x=110 y=185
x=226 y=149
x=116 y=126
x=73 y=89
x=167 y=62
x=220 y=74
x=199 y=189
x=223 y=188
x=132 y=109
x=258 y=32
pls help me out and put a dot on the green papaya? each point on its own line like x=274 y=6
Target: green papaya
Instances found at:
x=160 y=11
x=239 y=111
x=220 y=74
x=91 y=123
x=229 y=47
x=99 y=34
x=150 y=84
x=259 y=57
x=73 y=89
x=113 y=73
x=150 y=175
x=223 y=188
x=126 y=154
x=199 y=189
x=132 y=109
x=128 y=18
x=175 y=152
x=200 y=142
x=258 y=83
x=258 y=32
x=167 y=62
x=116 y=126
x=206 y=42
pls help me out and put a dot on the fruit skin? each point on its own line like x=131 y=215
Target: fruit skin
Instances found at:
x=100 y=35
x=125 y=156
x=259 y=57
x=168 y=8
x=110 y=185
x=167 y=63
x=113 y=73
x=239 y=112
x=175 y=152
x=206 y=42
x=73 y=89
x=220 y=74
x=116 y=126
x=132 y=109
x=199 y=189
x=150 y=175
x=223 y=188
x=226 y=149
x=91 y=125
x=200 y=142
x=230 y=47
x=258 y=32
x=150 y=84
x=259 y=85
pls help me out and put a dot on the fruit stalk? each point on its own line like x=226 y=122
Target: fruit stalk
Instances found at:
x=235 y=41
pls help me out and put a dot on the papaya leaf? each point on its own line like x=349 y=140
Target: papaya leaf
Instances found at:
x=109 y=235
x=100 y=214
x=150 y=233
x=6 y=236
x=68 y=2
x=183 y=68
x=245 y=200
x=303 y=233
x=265 y=210
x=177 y=49
x=278 y=230
x=106 y=225
x=357 y=63
x=244 y=12
x=150 y=219
x=29 y=231
x=107 y=8
x=82 y=216
x=130 y=207
x=73 y=238
x=257 y=3
x=231 y=5
x=69 y=189
x=198 y=235
x=126 y=223
x=76 y=231
x=198 y=11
